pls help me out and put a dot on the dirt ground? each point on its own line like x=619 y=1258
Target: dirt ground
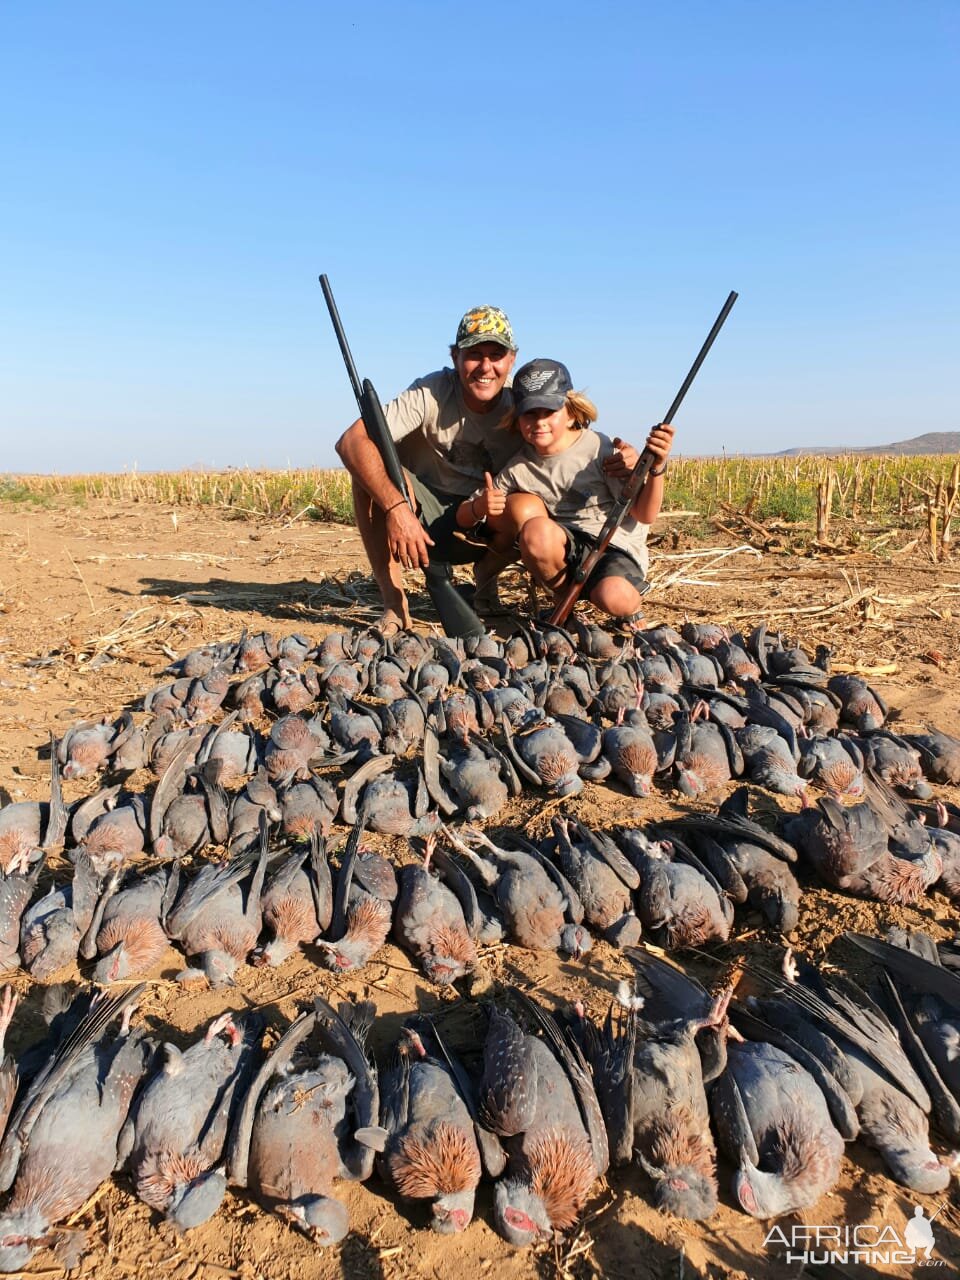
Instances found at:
x=94 y=600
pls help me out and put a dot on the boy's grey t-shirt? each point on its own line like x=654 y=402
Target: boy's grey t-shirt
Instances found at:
x=576 y=490
x=441 y=441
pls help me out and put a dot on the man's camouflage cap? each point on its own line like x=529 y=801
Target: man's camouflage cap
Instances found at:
x=485 y=324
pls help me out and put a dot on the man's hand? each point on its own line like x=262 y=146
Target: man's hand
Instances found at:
x=621 y=462
x=493 y=501
x=407 y=539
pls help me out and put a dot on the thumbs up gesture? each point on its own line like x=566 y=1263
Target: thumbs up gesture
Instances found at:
x=492 y=501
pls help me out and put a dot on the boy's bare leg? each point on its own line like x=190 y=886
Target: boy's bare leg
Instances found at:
x=502 y=552
x=543 y=549
x=386 y=571
x=617 y=597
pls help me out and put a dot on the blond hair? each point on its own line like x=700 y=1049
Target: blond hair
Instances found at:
x=578 y=404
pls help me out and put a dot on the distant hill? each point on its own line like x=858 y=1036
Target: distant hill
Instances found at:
x=932 y=442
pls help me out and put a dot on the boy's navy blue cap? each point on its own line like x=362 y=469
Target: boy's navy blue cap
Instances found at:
x=541 y=384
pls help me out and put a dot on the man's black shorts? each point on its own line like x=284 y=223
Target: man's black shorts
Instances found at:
x=614 y=563
x=438 y=515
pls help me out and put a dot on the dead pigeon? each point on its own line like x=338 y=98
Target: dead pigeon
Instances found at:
x=179 y=1124
x=432 y=1151
x=862 y=708
x=257 y=801
x=293 y=689
x=532 y=897
x=473 y=777
x=365 y=891
x=28 y=827
x=649 y=1080
x=892 y=1104
x=127 y=927
x=290 y=748
x=706 y=755
x=939 y=754
x=396 y=806
x=429 y=923
x=834 y=763
x=87 y=747
x=705 y=635
x=839 y=842
x=769 y=761
x=603 y=879
x=191 y=820
x=680 y=903
x=403 y=722
x=51 y=928
x=217 y=918
x=297 y=903
x=751 y=863
x=234 y=754
x=199 y=661
x=544 y=755
x=308 y=1119
x=61 y=1140
x=205 y=696
x=631 y=752
x=772 y=1122
x=355 y=729
x=895 y=761
x=537 y=1095
x=17 y=886
x=111 y=827
x=308 y=808
x=255 y=652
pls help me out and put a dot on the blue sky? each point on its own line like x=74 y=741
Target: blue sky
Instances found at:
x=176 y=176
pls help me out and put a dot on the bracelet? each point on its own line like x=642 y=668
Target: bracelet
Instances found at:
x=473 y=511
x=401 y=503
x=658 y=471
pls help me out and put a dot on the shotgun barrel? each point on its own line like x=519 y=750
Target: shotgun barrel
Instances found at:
x=633 y=484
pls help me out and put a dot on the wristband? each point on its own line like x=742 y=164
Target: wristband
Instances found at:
x=401 y=503
x=658 y=471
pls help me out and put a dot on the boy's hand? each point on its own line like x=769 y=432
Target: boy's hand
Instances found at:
x=493 y=501
x=621 y=462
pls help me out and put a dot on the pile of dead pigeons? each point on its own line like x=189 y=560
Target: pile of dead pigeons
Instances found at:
x=253 y=750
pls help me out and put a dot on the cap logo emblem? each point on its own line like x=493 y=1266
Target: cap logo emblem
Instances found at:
x=536 y=379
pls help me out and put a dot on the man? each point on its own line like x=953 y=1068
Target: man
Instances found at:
x=445 y=425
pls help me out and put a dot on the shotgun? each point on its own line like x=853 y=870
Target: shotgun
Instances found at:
x=456 y=616
x=632 y=485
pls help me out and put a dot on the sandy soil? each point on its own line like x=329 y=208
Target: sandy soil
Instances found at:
x=92 y=602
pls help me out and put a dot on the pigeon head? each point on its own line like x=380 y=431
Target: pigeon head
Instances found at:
x=324 y=1220
x=59 y=948
x=918 y=1169
x=687 y=1193
x=219 y=967
x=344 y=955
x=690 y=783
x=112 y=967
x=197 y=1201
x=761 y=1195
x=21 y=1234
x=575 y=940
x=520 y=1215
x=452 y=1213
